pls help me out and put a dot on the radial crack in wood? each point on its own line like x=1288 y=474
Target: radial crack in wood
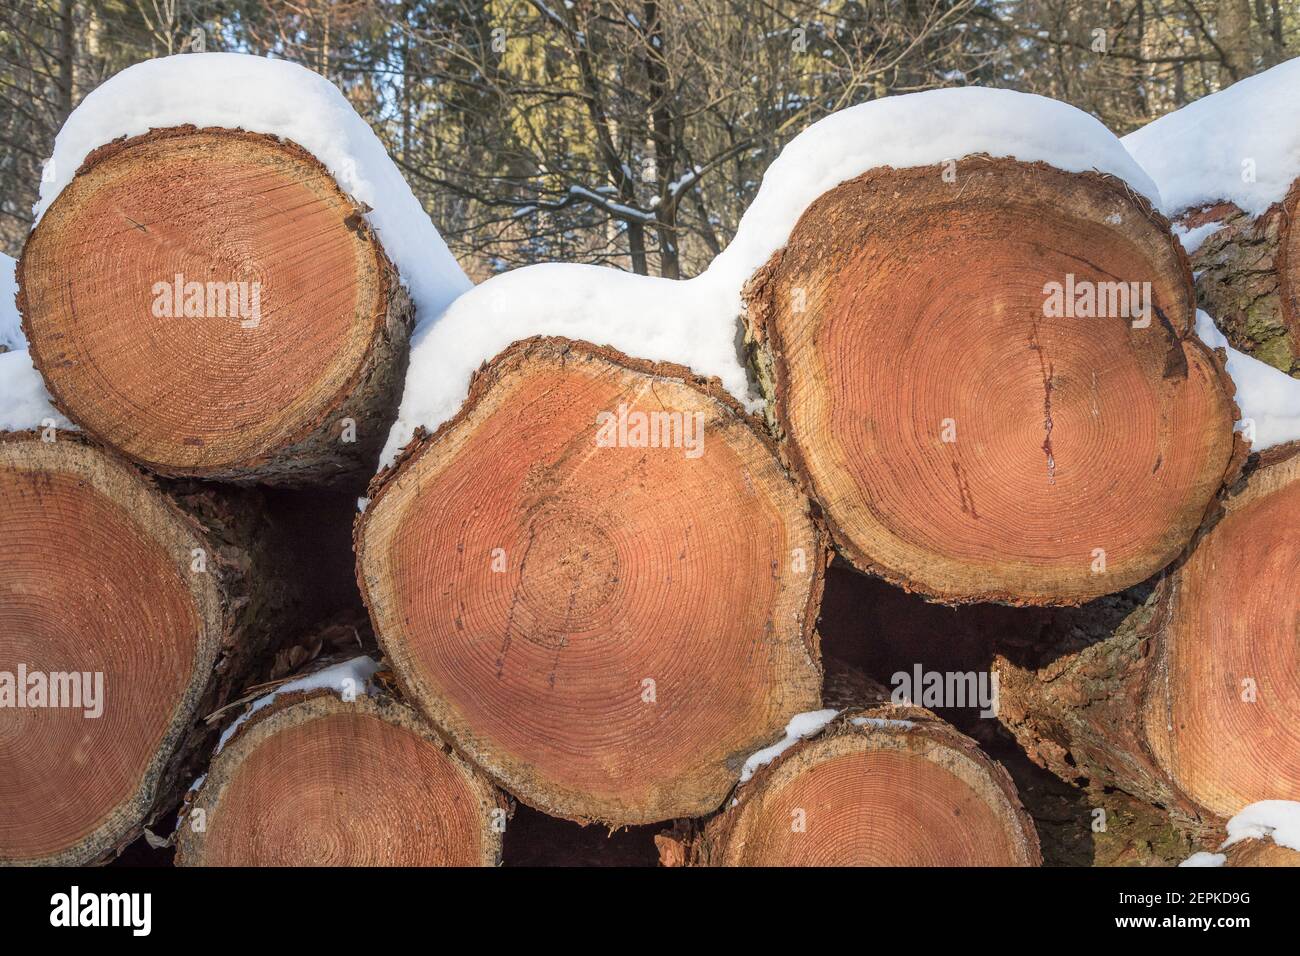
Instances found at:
x=990 y=384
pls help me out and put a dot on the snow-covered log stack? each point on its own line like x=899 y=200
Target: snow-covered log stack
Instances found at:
x=1228 y=169
x=220 y=284
x=331 y=771
x=210 y=286
x=598 y=581
x=1193 y=701
x=127 y=612
x=868 y=784
x=984 y=368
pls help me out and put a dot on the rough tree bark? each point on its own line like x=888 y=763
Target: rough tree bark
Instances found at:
x=1190 y=700
x=172 y=594
x=211 y=303
x=882 y=785
x=607 y=621
x=314 y=780
x=967 y=435
x=1248 y=277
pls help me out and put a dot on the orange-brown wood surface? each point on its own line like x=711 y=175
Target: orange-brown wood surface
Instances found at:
x=295 y=333
x=962 y=442
x=609 y=631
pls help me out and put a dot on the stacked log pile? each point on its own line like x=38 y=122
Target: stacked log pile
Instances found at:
x=595 y=586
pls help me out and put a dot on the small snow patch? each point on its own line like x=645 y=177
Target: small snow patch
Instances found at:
x=1276 y=820
x=24 y=402
x=1192 y=238
x=800 y=726
x=1266 y=396
x=350 y=677
x=11 y=330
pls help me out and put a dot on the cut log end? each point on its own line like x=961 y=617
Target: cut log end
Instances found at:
x=1189 y=701
x=313 y=780
x=967 y=426
x=212 y=304
x=599 y=582
x=100 y=672
x=886 y=786
x=1222 y=711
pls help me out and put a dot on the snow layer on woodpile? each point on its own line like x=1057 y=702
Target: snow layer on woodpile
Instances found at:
x=24 y=402
x=694 y=322
x=24 y=399
x=1276 y=820
x=11 y=330
x=1265 y=395
x=240 y=91
x=801 y=726
x=349 y=678
x=1240 y=145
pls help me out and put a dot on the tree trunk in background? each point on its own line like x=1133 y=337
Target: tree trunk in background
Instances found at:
x=261 y=338
x=947 y=412
x=1233 y=31
x=599 y=611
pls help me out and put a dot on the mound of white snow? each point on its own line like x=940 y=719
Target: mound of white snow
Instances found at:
x=239 y=91
x=1276 y=820
x=1266 y=396
x=11 y=331
x=1241 y=144
x=693 y=322
x=24 y=402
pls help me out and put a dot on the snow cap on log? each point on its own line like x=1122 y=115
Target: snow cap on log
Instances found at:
x=693 y=322
x=277 y=98
x=1228 y=169
x=1240 y=145
x=245 y=247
